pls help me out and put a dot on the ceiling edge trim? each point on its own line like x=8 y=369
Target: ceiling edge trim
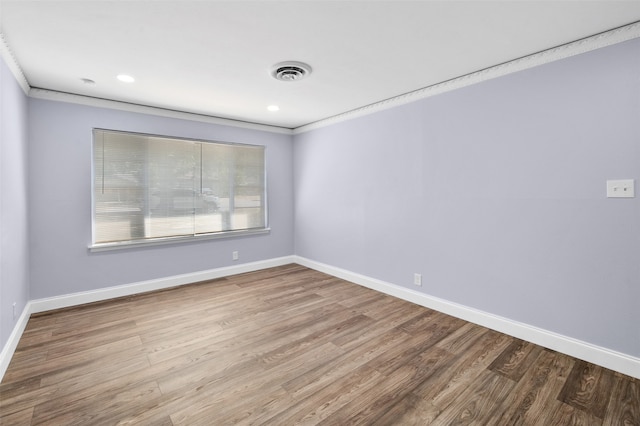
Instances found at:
x=53 y=95
x=7 y=54
x=607 y=38
x=12 y=63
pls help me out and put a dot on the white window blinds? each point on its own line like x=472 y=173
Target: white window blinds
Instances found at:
x=147 y=188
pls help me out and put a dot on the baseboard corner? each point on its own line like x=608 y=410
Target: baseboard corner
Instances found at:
x=14 y=338
x=74 y=299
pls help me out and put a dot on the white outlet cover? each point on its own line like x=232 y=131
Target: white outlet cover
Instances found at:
x=417 y=279
x=620 y=188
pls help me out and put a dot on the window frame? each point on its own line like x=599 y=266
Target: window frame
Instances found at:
x=177 y=239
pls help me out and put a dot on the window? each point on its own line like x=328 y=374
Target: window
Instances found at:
x=150 y=188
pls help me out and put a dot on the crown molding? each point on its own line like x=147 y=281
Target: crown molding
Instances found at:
x=53 y=95
x=604 y=39
x=607 y=38
x=12 y=63
x=34 y=92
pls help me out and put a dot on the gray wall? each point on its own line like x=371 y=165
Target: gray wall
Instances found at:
x=495 y=193
x=60 y=202
x=14 y=253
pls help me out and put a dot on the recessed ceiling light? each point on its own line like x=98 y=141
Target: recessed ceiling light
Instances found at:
x=126 y=78
x=87 y=81
x=273 y=108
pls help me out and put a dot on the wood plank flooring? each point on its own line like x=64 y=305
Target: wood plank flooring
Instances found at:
x=289 y=346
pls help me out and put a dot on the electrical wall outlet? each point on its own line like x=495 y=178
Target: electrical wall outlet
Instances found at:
x=621 y=188
x=234 y=255
x=417 y=279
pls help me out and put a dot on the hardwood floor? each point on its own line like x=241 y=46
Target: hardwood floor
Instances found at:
x=290 y=345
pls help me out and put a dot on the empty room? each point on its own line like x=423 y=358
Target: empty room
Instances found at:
x=319 y=212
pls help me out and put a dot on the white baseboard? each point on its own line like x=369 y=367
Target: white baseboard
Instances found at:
x=604 y=357
x=12 y=343
x=74 y=299
x=68 y=300
x=623 y=363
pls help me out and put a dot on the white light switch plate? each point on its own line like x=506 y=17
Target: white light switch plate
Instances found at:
x=622 y=188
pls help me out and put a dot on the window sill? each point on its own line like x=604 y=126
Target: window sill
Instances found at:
x=175 y=240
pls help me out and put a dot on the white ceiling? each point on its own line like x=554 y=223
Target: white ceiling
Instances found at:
x=214 y=57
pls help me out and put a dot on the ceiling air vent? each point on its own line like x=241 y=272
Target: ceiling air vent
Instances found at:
x=290 y=71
